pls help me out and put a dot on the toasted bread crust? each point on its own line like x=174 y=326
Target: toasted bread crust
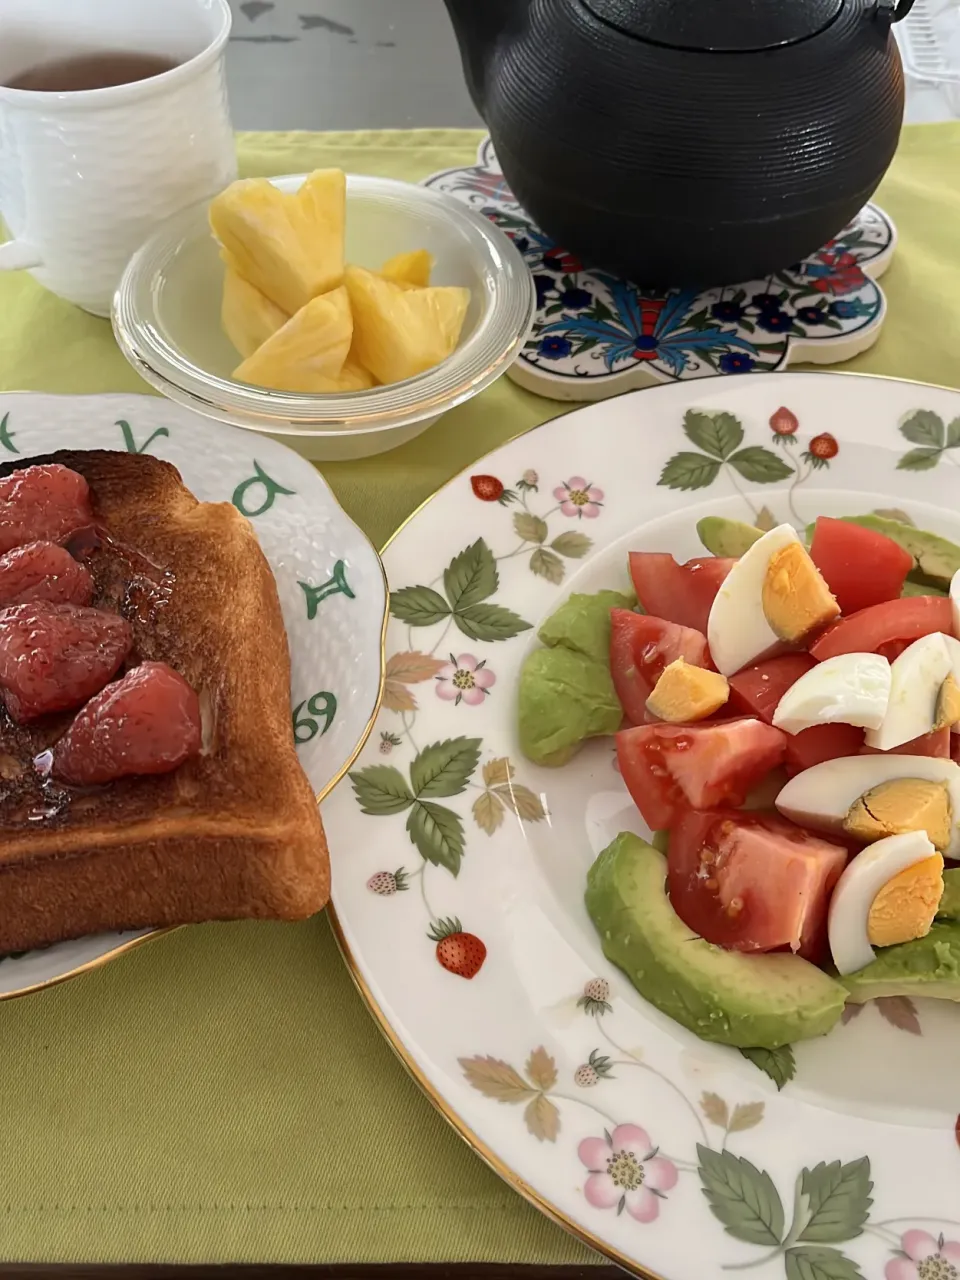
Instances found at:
x=232 y=833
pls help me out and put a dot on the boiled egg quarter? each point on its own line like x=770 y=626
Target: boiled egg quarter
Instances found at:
x=955 y=601
x=907 y=791
x=953 y=680
x=774 y=592
x=916 y=678
x=889 y=893
x=852 y=688
x=686 y=692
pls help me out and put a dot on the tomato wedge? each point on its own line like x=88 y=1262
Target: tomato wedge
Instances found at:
x=640 y=648
x=821 y=742
x=861 y=567
x=668 y=767
x=752 y=882
x=681 y=593
x=756 y=691
x=864 y=632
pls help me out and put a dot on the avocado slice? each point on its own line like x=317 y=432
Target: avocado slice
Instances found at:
x=582 y=623
x=751 y=1001
x=564 y=697
x=724 y=537
x=949 y=908
x=920 y=589
x=927 y=966
x=937 y=559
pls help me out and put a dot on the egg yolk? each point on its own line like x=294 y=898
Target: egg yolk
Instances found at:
x=906 y=905
x=948 y=704
x=685 y=692
x=902 y=804
x=795 y=598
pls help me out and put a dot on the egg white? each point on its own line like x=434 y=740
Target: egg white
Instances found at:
x=856 y=889
x=852 y=688
x=820 y=797
x=737 y=630
x=915 y=680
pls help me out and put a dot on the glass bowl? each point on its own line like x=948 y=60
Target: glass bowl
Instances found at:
x=166 y=318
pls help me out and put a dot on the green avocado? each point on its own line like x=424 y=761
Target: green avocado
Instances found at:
x=920 y=589
x=949 y=908
x=927 y=966
x=564 y=697
x=937 y=559
x=751 y=1001
x=582 y=623
x=724 y=537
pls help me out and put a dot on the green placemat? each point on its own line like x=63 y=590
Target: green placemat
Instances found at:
x=222 y=1094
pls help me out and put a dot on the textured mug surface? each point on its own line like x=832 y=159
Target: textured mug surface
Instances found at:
x=86 y=176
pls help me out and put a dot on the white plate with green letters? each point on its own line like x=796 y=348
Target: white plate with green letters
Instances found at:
x=460 y=866
x=329 y=579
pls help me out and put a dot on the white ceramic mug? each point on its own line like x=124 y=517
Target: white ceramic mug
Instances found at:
x=86 y=176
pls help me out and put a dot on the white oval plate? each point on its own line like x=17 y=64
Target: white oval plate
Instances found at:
x=676 y=1158
x=330 y=580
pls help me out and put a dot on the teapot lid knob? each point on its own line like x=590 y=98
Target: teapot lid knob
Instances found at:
x=733 y=26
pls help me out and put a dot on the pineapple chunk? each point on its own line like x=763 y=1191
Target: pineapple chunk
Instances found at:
x=409 y=268
x=248 y=316
x=401 y=332
x=353 y=377
x=289 y=246
x=309 y=352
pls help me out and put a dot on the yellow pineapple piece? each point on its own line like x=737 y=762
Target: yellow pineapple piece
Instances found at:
x=309 y=352
x=399 y=332
x=449 y=306
x=248 y=316
x=289 y=246
x=409 y=268
x=353 y=377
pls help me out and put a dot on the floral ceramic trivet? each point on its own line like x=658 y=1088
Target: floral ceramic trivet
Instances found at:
x=459 y=866
x=596 y=335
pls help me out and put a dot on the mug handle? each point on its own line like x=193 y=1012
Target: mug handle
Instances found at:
x=17 y=255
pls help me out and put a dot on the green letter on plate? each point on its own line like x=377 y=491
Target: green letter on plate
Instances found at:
x=335 y=584
x=270 y=491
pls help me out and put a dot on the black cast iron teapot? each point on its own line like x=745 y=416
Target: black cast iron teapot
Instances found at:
x=683 y=142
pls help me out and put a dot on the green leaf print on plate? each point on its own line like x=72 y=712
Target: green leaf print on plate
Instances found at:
x=742 y=1197
x=720 y=435
x=441 y=769
x=779 y=1064
x=933 y=438
x=468 y=581
x=838 y=1200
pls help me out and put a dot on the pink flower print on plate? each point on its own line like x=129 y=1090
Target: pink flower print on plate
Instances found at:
x=579 y=498
x=464 y=679
x=626 y=1173
x=925 y=1258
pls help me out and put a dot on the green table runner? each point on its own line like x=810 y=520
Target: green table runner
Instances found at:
x=222 y=1094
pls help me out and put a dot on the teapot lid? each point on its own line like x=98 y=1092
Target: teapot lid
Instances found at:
x=730 y=26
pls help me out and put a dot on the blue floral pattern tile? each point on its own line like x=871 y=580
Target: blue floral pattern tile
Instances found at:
x=596 y=334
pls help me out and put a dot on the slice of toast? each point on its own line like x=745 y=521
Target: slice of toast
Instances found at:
x=233 y=832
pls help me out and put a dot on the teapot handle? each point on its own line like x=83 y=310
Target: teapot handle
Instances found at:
x=890 y=11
